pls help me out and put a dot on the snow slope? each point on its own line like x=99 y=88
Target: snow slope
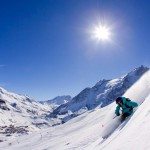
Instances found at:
x=136 y=132
x=84 y=131
x=21 y=111
x=102 y=94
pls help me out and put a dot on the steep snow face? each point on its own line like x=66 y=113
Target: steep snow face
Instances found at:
x=57 y=101
x=102 y=94
x=84 y=131
x=135 y=134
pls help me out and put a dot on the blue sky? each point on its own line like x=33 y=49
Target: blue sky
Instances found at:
x=46 y=49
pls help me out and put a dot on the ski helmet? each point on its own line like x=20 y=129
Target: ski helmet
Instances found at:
x=119 y=99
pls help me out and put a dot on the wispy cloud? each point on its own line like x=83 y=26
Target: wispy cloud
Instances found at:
x=1 y=66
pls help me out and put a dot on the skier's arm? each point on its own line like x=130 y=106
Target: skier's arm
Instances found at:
x=133 y=104
x=117 y=110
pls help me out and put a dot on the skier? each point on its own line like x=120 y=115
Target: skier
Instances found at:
x=126 y=105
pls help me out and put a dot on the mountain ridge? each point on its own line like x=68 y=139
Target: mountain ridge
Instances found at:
x=101 y=94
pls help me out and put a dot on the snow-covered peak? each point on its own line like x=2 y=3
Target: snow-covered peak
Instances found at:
x=99 y=83
x=59 y=100
x=21 y=111
x=103 y=93
x=85 y=131
x=137 y=71
x=13 y=97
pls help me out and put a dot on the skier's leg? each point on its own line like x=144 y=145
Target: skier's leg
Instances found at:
x=124 y=116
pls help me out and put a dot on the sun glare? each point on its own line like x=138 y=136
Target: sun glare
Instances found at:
x=101 y=33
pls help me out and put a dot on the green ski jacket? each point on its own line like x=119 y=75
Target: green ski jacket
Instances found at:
x=127 y=106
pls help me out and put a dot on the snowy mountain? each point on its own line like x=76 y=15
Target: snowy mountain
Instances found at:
x=20 y=114
x=102 y=94
x=85 y=131
x=18 y=110
x=57 y=101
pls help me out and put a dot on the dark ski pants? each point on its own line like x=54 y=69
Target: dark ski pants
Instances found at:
x=124 y=116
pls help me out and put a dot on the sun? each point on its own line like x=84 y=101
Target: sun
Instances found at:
x=102 y=33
